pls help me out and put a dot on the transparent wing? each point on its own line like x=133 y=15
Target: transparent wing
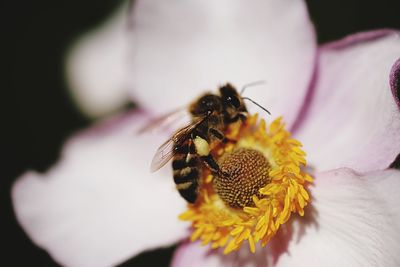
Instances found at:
x=167 y=150
x=169 y=120
x=164 y=154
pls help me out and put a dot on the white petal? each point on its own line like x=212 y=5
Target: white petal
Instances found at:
x=97 y=67
x=354 y=221
x=352 y=118
x=99 y=205
x=183 y=48
x=357 y=222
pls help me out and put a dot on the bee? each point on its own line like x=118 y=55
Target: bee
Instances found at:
x=189 y=147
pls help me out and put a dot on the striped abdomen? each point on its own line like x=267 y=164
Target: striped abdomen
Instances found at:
x=186 y=172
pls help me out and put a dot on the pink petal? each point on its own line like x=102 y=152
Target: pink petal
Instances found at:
x=352 y=118
x=183 y=48
x=99 y=205
x=97 y=67
x=354 y=220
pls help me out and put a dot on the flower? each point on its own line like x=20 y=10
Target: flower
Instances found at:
x=99 y=205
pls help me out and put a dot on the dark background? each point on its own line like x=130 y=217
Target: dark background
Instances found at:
x=39 y=114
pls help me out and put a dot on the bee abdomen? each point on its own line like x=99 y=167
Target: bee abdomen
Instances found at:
x=188 y=191
x=186 y=180
x=186 y=174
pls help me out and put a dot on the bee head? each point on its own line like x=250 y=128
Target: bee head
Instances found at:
x=206 y=104
x=232 y=101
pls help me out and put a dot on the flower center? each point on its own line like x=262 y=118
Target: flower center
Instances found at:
x=248 y=171
x=265 y=183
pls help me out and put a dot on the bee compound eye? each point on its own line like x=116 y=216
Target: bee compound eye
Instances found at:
x=233 y=100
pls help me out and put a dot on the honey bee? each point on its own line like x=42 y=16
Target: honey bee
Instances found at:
x=189 y=147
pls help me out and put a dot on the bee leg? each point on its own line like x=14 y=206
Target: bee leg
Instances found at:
x=203 y=150
x=240 y=116
x=243 y=116
x=220 y=136
x=213 y=165
x=191 y=150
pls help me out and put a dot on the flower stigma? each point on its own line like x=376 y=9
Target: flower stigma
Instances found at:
x=265 y=183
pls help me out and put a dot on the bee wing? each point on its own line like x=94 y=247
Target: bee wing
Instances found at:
x=165 y=121
x=166 y=151
x=164 y=154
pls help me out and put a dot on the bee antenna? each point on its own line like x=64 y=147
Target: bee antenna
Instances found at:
x=251 y=84
x=254 y=102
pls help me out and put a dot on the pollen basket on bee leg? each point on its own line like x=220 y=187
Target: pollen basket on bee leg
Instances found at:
x=202 y=146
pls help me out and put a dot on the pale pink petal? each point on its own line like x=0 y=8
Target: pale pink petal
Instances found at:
x=99 y=205
x=97 y=66
x=352 y=118
x=183 y=48
x=354 y=220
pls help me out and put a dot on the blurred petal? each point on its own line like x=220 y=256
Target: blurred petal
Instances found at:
x=97 y=67
x=100 y=205
x=183 y=48
x=352 y=118
x=354 y=221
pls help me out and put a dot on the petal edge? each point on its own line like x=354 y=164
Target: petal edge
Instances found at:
x=99 y=205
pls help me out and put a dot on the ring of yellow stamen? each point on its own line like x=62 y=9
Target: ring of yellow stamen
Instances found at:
x=266 y=184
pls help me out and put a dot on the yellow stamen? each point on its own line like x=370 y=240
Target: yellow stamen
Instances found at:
x=266 y=184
